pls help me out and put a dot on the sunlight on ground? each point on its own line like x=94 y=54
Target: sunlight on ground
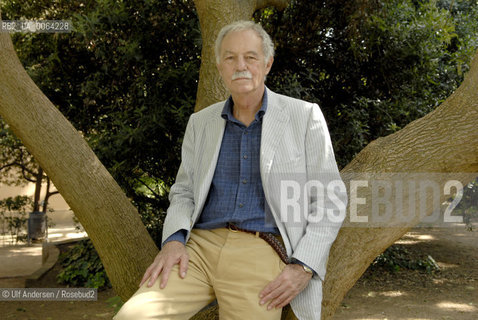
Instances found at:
x=457 y=306
x=76 y=235
x=438 y=281
x=444 y=265
x=410 y=238
x=425 y=237
x=397 y=293
x=392 y=293
x=31 y=251
x=71 y=233
x=68 y=235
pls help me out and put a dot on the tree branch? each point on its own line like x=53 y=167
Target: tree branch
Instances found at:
x=8 y=165
x=149 y=188
x=25 y=170
x=21 y=166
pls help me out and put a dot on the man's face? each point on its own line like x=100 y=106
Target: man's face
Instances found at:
x=241 y=62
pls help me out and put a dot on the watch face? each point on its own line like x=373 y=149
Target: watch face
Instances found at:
x=307 y=269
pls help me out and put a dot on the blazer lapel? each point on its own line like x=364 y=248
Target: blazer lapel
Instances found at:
x=274 y=121
x=210 y=147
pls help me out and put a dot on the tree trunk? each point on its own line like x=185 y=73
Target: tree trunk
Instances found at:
x=111 y=221
x=48 y=194
x=38 y=182
x=446 y=140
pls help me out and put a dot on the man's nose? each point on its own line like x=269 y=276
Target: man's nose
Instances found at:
x=241 y=64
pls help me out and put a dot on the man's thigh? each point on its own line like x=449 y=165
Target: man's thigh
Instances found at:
x=180 y=299
x=244 y=270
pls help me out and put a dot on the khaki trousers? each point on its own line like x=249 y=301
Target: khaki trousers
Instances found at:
x=231 y=266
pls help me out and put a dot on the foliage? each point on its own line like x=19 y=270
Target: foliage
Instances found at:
x=14 y=159
x=397 y=257
x=15 y=223
x=82 y=267
x=126 y=78
x=18 y=167
x=372 y=65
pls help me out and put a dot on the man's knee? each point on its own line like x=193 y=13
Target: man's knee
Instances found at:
x=127 y=313
x=138 y=307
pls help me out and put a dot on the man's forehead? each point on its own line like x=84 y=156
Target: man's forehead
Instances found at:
x=249 y=52
x=231 y=43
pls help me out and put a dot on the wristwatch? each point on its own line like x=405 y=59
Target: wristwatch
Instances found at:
x=307 y=269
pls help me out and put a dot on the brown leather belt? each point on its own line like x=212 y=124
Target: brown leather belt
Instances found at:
x=275 y=241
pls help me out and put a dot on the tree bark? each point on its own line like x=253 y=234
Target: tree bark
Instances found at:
x=38 y=183
x=446 y=140
x=111 y=221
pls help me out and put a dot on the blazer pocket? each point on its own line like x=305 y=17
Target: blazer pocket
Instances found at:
x=291 y=165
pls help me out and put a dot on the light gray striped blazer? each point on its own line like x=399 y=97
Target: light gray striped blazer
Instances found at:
x=295 y=145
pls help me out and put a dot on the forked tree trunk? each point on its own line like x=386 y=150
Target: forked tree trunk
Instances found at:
x=446 y=140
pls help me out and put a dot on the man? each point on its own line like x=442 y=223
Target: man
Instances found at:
x=240 y=161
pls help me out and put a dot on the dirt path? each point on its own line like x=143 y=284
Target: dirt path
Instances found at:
x=449 y=294
x=54 y=310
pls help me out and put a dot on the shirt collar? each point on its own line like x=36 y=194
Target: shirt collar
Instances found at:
x=227 y=110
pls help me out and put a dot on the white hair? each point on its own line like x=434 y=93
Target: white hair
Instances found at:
x=241 y=25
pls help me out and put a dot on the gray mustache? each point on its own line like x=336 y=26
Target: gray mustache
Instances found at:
x=242 y=74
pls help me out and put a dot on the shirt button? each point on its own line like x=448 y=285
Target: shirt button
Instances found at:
x=241 y=205
x=245 y=132
x=244 y=181
x=245 y=156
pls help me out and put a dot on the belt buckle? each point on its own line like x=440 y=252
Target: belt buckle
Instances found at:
x=232 y=227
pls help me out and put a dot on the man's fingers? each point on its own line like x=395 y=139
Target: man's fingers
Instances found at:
x=146 y=275
x=165 y=277
x=154 y=274
x=279 y=302
x=274 y=284
x=273 y=293
x=183 y=266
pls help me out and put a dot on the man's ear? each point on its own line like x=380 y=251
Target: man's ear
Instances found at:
x=269 y=65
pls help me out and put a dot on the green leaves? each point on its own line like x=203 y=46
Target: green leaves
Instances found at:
x=82 y=267
x=372 y=66
x=397 y=257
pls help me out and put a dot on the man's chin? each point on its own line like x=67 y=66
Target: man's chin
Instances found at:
x=241 y=89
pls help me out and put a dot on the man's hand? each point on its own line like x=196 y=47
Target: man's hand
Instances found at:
x=292 y=280
x=173 y=252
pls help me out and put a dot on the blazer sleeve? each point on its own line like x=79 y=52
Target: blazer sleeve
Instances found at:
x=325 y=214
x=181 y=195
